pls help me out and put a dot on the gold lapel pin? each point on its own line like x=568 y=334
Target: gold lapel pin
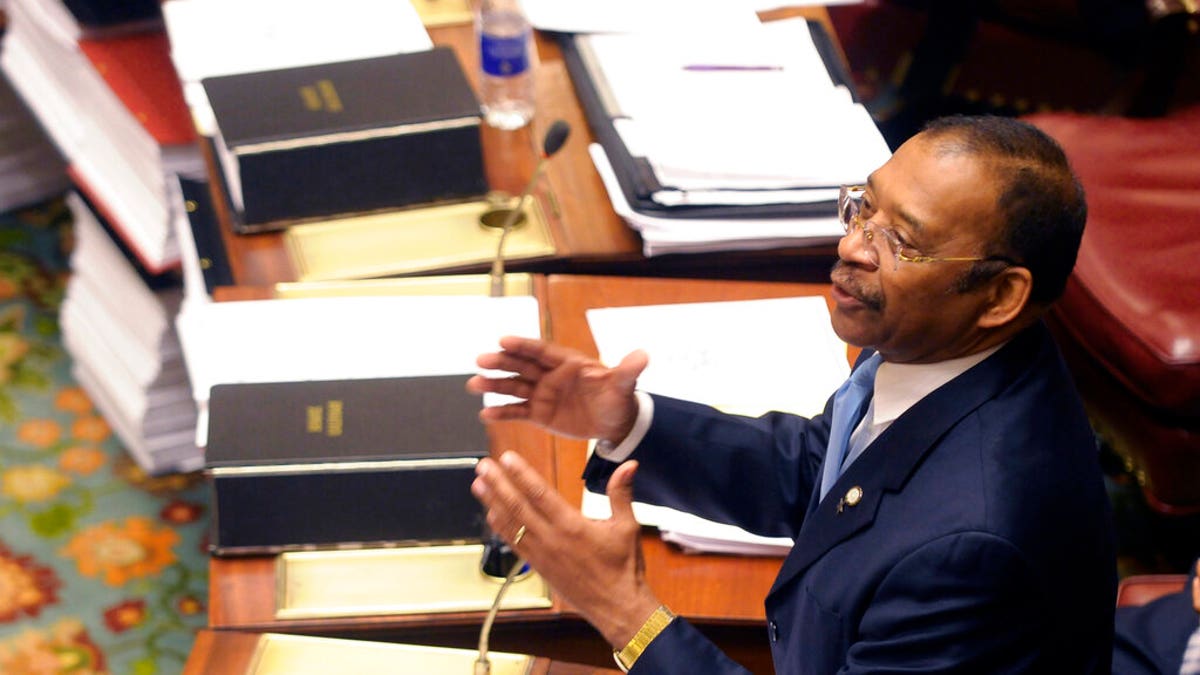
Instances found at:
x=853 y=496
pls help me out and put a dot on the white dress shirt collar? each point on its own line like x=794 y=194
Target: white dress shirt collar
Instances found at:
x=898 y=386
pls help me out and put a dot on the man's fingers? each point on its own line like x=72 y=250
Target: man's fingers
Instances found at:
x=512 y=386
x=620 y=491
x=546 y=354
x=630 y=368
x=508 y=411
x=539 y=495
x=508 y=507
x=508 y=362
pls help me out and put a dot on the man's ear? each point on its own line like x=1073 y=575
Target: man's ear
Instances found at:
x=1008 y=297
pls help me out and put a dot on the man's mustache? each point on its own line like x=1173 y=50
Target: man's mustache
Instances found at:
x=843 y=275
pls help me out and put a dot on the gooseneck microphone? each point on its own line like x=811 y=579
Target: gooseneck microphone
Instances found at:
x=555 y=137
x=501 y=556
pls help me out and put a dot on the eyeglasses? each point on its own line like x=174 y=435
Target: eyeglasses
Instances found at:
x=850 y=213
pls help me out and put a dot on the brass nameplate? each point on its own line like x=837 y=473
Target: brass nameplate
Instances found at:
x=394 y=581
x=279 y=654
x=449 y=284
x=411 y=241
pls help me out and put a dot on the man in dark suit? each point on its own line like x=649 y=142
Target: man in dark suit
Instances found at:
x=954 y=521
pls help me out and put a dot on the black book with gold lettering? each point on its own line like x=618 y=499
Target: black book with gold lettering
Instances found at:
x=259 y=423
x=347 y=137
x=326 y=464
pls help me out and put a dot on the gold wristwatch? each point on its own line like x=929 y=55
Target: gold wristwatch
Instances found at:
x=660 y=619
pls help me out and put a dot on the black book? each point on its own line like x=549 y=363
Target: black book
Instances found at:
x=347 y=137
x=343 y=420
x=324 y=464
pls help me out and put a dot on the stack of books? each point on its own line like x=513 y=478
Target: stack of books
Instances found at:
x=118 y=327
x=349 y=131
x=112 y=104
x=99 y=79
x=311 y=113
x=329 y=421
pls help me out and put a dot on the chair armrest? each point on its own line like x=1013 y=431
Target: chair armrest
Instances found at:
x=1143 y=588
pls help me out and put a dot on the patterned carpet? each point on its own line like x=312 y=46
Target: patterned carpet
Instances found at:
x=102 y=568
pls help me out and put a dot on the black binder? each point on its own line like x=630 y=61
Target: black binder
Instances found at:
x=634 y=174
x=206 y=231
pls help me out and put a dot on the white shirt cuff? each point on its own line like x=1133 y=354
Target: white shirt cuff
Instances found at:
x=641 y=424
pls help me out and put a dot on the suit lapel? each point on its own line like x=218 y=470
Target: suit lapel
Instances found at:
x=887 y=463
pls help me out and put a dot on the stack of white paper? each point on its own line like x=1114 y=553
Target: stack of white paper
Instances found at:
x=751 y=119
x=694 y=235
x=743 y=357
x=120 y=334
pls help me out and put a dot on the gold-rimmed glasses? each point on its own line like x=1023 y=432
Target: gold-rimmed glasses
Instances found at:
x=850 y=213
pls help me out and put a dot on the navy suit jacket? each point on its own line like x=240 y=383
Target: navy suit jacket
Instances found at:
x=982 y=542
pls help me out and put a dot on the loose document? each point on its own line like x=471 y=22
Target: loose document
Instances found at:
x=743 y=357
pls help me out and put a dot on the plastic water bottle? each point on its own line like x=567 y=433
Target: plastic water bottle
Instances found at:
x=506 y=70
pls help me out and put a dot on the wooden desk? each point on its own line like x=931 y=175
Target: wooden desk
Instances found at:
x=588 y=235
x=722 y=594
x=230 y=653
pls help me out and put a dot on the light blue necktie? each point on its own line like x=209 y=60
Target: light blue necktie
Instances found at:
x=849 y=404
x=1191 y=656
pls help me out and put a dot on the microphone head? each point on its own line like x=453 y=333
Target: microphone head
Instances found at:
x=498 y=559
x=556 y=135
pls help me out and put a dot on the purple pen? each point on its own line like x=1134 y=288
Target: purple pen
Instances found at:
x=720 y=67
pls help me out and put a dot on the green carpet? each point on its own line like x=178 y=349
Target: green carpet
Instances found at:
x=103 y=569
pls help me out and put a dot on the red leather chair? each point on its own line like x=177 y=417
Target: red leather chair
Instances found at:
x=1129 y=321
